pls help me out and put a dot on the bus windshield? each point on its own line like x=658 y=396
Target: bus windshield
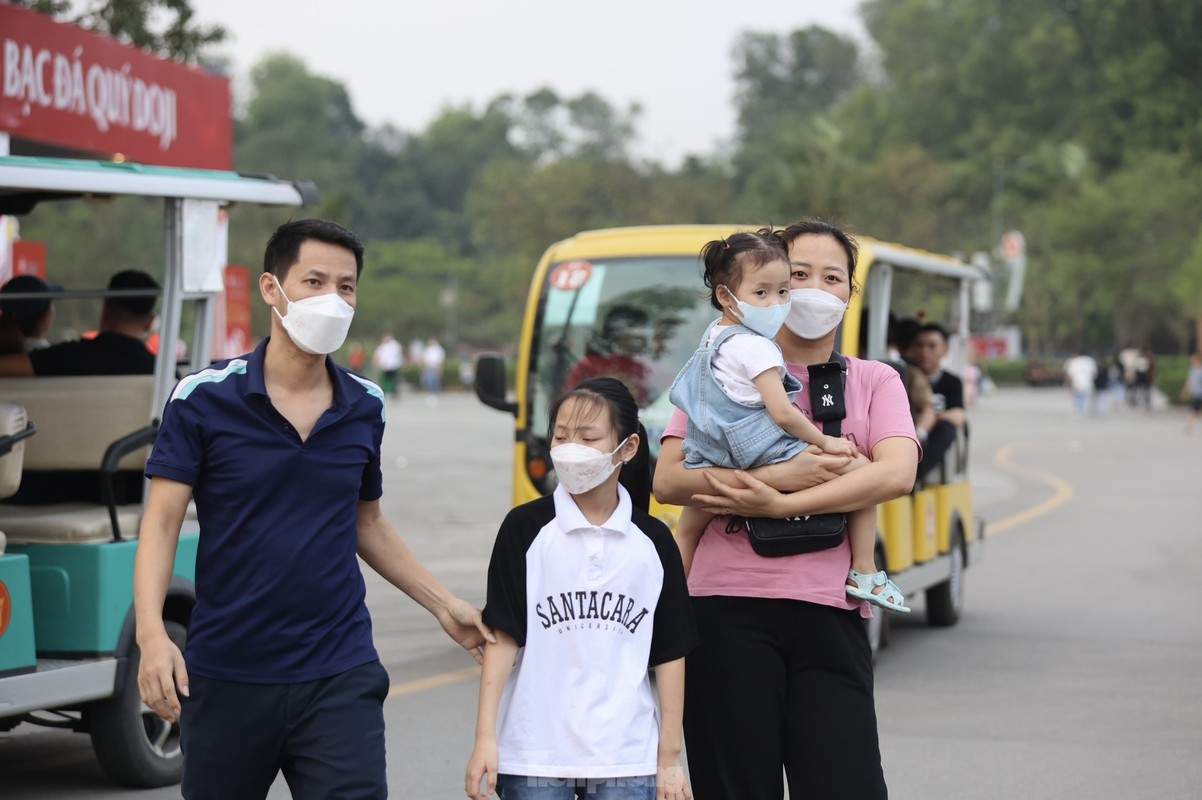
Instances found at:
x=635 y=319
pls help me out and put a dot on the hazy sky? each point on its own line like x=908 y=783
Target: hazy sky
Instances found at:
x=404 y=61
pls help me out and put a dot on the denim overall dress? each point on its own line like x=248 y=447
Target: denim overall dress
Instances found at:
x=722 y=432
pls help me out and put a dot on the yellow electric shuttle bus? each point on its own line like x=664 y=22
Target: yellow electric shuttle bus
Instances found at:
x=628 y=302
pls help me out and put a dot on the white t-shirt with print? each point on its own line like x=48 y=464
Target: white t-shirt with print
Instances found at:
x=591 y=608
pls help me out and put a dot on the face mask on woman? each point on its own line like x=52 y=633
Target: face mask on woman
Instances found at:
x=581 y=468
x=814 y=313
x=317 y=325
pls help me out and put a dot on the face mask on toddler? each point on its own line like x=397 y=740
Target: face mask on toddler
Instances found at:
x=764 y=321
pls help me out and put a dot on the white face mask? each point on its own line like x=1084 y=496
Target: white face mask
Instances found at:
x=581 y=468
x=814 y=313
x=316 y=325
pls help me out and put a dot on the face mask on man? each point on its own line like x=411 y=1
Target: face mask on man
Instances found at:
x=814 y=313
x=581 y=468
x=317 y=325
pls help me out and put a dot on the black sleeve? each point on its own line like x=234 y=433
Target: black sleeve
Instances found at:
x=505 y=606
x=675 y=631
x=952 y=389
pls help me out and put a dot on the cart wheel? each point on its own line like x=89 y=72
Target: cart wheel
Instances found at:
x=134 y=745
x=945 y=601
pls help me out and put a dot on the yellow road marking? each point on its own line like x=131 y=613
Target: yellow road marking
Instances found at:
x=1062 y=490
x=434 y=681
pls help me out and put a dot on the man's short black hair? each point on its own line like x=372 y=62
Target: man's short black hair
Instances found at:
x=133 y=306
x=27 y=310
x=936 y=328
x=283 y=248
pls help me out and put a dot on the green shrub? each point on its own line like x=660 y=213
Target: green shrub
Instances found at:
x=1008 y=372
x=1171 y=372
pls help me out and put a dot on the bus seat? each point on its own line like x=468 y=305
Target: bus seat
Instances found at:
x=13 y=421
x=77 y=419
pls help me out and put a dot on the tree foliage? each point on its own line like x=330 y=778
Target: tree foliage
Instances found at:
x=1075 y=121
x=163 y=27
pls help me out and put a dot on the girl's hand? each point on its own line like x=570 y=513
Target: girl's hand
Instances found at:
x=671 y=784
x=838 y=446
x=746 y=497
x=482 y=763
x=810 y=467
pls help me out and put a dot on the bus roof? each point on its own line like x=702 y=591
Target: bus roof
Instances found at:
x=25 y=182
x=687 y=240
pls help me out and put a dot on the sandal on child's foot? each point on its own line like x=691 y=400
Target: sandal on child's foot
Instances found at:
x=889 y=597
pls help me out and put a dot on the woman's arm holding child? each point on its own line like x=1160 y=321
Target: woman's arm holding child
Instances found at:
x=670 y=782
x=498 y=663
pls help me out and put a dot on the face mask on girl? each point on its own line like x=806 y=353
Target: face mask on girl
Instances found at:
x=814 y=313
x=317 y=325
x=764 y=321
x=581 y=468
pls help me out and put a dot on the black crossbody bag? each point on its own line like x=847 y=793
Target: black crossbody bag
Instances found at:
x=794 y=535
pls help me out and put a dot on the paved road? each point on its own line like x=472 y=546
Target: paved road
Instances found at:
x=1073 y=673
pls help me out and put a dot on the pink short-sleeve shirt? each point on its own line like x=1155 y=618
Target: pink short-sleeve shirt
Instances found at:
x=724 y=564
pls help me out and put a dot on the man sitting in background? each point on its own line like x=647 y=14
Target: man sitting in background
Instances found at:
x=25 y=322
x=118 y=349
x=927 y=352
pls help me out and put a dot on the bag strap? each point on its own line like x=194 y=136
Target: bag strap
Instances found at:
x=832 y=426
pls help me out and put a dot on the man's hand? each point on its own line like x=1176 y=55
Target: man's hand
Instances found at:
x=462 y=623
x=160 y=671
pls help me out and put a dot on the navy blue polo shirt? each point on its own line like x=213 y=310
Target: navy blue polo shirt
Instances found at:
x=279 y=593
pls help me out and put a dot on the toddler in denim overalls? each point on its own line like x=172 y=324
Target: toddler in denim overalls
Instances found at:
x=738 y=394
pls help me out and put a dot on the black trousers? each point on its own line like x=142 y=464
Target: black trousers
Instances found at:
x=327 y=736
x=780 y=683
x=939 y=441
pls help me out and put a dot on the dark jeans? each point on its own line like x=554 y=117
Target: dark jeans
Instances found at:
x=327 y=736
x=780 y=682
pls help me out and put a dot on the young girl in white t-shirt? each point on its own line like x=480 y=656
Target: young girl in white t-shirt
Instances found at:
x=586 y=591
x=737 y=392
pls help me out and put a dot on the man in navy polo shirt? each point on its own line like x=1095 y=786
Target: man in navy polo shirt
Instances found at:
x=281 y=450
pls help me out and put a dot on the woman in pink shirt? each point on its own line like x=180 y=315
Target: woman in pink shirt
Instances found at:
x=783 y=675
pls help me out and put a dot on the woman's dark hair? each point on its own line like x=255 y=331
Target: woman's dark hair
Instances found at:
x=821 y=227
x=283 y=248
x=611 y=393
x=725 y=259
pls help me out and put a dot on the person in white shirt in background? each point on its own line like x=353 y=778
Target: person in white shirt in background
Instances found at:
x=433 y=357
x=388 y=359
x=1081 y=371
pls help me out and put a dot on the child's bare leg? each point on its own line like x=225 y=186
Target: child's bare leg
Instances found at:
x=861 y=533
x=688 y=533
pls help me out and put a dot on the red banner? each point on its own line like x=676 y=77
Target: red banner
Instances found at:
x=29 y=258
x=233 y=338
x=63 y=86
